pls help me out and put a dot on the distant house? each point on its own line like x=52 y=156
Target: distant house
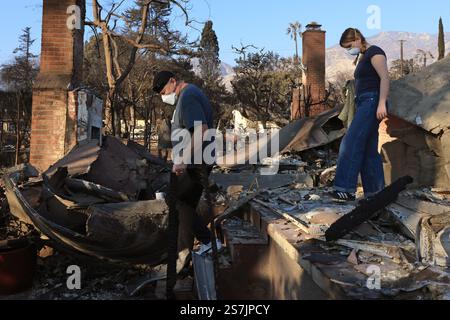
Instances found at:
x=7 y=123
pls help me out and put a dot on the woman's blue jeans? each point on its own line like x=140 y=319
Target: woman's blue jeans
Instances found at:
x=359 y=150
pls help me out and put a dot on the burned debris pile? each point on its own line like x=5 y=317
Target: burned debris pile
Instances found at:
x=97 y=201
x=419 y=127
x=100 y=202
x=403 y=237
x=402 y=233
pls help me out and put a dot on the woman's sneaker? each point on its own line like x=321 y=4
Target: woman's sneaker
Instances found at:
x=343 y=196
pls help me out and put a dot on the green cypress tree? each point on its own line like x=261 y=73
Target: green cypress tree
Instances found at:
x=441 y=43
x=209 y=56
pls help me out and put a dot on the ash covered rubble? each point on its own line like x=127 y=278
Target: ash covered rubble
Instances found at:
x=404 y=237
x=96 y=209
x=403 y=232
x=98 y=202
x=83 y=212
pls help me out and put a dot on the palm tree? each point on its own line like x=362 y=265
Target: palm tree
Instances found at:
x=295 y=31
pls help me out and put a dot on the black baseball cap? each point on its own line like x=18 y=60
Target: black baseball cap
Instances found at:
x=161 y=79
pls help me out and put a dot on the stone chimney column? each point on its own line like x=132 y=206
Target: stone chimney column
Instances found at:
x=314 y=54
x=53 y=126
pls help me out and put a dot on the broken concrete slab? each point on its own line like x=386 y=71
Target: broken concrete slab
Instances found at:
x=235 y=191
x=386 y=250
x=327 y=176
x=320 y=215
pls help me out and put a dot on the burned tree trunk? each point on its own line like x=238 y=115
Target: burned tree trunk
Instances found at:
x=18 y=130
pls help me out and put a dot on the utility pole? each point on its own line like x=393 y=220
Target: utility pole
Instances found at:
x=402 y=68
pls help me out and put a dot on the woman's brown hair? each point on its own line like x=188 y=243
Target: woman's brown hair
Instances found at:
x=353 y=34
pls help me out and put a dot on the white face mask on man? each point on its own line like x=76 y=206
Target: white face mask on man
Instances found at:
x=170 y=99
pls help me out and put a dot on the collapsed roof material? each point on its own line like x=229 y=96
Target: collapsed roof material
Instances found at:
x=420 y=122
x=423 y=98
x=301 y=135
x=96 y=201
x=309 y=133
x=143 y=247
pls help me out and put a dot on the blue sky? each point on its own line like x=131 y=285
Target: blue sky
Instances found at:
x=259 y=22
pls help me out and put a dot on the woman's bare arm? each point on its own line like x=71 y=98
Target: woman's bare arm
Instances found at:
x=379 y=62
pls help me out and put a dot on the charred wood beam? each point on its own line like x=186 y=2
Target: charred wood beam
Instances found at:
x=78 y=185
x=367 y=209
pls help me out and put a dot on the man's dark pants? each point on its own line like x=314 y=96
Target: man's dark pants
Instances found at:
x=189 y=191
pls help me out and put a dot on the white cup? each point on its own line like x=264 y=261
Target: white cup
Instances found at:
x=160 y=196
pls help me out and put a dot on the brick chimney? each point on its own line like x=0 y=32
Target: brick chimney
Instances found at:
x=54 y=114
x=314 y=61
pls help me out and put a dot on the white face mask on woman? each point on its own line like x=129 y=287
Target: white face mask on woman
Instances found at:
x=354 y=51
x=170 y=99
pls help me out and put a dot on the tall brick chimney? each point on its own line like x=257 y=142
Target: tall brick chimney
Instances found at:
x=314 y=77
x=53 y=127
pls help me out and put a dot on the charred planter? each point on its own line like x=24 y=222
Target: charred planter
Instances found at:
x=18 y=261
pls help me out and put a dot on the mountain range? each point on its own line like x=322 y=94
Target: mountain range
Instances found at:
x=339 y=62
